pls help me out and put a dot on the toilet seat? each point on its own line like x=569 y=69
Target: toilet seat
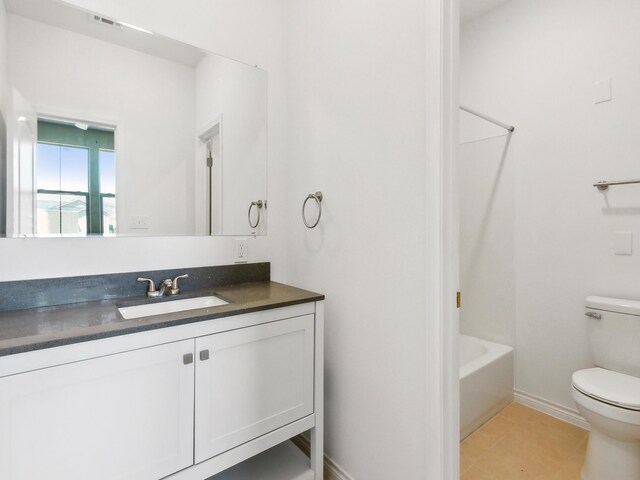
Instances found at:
x=613 y=388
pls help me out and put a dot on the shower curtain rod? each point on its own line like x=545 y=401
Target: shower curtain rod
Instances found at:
x=511 y=128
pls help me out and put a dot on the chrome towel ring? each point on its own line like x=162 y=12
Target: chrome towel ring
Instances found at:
x=258 y=205
x=318 y=199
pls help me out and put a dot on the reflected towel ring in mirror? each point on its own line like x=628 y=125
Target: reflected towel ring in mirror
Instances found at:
x=258 y=205
x=318 y=198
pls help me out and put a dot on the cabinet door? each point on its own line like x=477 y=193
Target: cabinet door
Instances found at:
x=255 y=380
x=127 y=416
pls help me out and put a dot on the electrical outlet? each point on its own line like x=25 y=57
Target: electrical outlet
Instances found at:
x=241 y=250
x=139 y=222
x=603 y=91
x=623 y=243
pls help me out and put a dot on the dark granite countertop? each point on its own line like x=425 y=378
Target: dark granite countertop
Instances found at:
x=53 y=326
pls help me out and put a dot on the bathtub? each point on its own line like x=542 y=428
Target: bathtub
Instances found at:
x=486 y=381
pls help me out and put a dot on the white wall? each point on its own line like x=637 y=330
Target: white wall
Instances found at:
x=356 y=132
x=236 y=92
x=151 y=100
x=250 y=30
x=534 y=63
x=470 y=9
x=355 y=119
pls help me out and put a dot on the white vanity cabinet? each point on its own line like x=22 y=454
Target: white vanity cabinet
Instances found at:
x=250 y=382
x=127 y=416
x=182 y=403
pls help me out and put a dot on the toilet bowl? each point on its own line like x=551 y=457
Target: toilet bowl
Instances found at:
x=608 y=396
x=610 y=402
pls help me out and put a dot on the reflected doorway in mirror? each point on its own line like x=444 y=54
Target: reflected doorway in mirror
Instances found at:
x=208 y=188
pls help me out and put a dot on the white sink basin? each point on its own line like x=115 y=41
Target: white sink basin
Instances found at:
x=160 y=308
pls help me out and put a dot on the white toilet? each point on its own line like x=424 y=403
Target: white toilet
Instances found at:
x=608 y=396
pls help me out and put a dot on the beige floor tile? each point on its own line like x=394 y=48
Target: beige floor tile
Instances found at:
x=570 y=470
x=466 y=459
x=478 y=443
x=522 y=457
x=516 y=412
x=553 y=423
x=481 y=441
x=521 y=443
x=473 y=474
x=467 y=456
x=503 y=463
x=581 y=451
x=473 y=447
x=470 y=475
x=544 y=445
x=497 y=428
x=560 y=438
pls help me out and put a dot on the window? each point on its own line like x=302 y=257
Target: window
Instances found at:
x=108 y=191
x=75 y=179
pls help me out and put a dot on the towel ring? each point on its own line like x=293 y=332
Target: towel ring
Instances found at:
x=318 y=199
x=258 y=205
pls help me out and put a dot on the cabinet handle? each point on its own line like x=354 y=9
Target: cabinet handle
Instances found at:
x=187 y=358
x=204 y=355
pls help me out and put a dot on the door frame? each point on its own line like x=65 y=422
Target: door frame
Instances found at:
x=206 y=135
x=442 y=419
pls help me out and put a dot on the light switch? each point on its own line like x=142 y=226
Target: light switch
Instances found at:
x=603 y=90
x=622 y=243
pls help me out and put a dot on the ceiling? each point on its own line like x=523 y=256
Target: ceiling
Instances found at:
x=68 y=17
x=470 y=9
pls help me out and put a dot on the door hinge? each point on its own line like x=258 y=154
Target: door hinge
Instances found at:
x=210 y=161
x=458 y=300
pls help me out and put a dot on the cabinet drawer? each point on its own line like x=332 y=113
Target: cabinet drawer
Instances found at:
x=127 y=417
x=252 y=381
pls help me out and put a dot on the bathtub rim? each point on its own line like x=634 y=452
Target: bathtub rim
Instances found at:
x=494 y=352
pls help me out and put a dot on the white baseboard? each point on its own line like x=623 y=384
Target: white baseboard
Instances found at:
x=565 y=414
x=332 y=471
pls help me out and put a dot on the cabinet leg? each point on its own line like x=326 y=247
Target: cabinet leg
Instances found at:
x=317 y=433
x=317 y=452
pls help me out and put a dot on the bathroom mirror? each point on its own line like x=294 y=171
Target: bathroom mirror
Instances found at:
x=114 y=130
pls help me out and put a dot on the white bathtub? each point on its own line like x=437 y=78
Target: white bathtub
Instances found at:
x=486 y=381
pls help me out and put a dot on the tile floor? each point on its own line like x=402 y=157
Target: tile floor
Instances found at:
x=521 y=443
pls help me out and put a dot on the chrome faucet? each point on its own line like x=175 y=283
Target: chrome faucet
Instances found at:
x=175 y=289
x=171 y=285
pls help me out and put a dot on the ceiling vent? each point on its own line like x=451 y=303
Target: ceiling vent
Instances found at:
x=108 y=22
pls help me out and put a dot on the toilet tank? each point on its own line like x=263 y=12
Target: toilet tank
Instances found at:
x=614 y=333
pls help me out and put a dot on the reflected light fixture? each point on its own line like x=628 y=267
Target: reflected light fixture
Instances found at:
x=134 y=27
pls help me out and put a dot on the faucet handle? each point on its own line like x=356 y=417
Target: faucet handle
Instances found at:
x=152 y=285
x=176 y=289
x=151 y=292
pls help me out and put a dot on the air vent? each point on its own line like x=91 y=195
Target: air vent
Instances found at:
x=108 y=22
